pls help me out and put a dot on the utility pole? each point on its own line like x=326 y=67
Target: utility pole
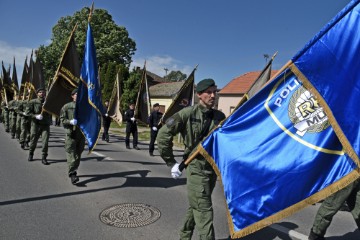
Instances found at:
x=266 y=56
x=166 y=70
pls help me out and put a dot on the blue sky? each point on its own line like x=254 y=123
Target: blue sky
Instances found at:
x=226 y=38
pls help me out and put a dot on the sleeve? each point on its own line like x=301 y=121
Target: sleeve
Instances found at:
x=151 y=120
x=29 y=111
x=64 y=117
x=173 y=126
x=127 y=117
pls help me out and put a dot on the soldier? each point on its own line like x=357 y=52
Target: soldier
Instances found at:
x=194 y=123
x=40 y=125
x=154 y=120
x=25 y=123
x=106 y=123
x=332 y=204
x=18 y=118
x=131 y=127
x=5 y=112
x=75 y=140
x=12 y=115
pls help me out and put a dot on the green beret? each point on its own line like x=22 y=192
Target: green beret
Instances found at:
x=74 y=91
x=40 y=89
x=204 y=84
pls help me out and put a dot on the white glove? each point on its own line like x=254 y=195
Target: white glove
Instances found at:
x=106 y=115
x=154 y=129
x=132 y=119
x=73 y=122
x=175 y=172
x=39 y=117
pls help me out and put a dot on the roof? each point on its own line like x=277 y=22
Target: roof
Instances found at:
x=154 y=79
x=165 y=89
x=241 y=84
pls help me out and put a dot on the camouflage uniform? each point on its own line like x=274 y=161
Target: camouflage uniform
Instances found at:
x=332 y=204
x=5 y=114
x=25 y=124
x=12 y=117
x=18 y=119
x=201 y=178
x=74 y=141
x=38 y=127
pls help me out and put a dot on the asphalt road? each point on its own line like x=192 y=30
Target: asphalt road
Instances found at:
x=39 y=202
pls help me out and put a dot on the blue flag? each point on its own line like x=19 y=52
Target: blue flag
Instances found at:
x=297 y=140
x=89 y=106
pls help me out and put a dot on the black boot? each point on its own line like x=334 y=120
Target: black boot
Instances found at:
x=151 y=154
x=30 y=157
x=27 y=144
x=74 y=179
x=314 y=236
x=22 y=145
x=43 y=160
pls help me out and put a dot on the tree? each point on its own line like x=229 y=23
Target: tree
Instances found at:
x=112 y=42
x=108 y=81
x=131 y=87
x=176 y=76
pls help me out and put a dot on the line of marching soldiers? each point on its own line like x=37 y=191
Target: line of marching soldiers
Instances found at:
x=17 y=116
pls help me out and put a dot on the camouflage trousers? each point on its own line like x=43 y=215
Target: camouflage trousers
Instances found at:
x=332 y=204
x=73 y=148
x=36 y=131
x=200 y=185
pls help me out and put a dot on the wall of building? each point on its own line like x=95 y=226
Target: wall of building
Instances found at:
x=227 y=103
x=163 y=102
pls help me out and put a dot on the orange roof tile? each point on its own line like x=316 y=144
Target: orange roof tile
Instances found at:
x=241 y=84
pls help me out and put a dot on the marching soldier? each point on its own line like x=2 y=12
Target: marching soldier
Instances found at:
x=40 y=125
x=5 y=113
x=154 y=120
x=75 y=140
x=131 y=127
x=12 y=115
x=25 y=124
x=194 y=123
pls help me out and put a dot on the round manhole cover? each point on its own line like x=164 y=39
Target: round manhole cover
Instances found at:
x=130 y=215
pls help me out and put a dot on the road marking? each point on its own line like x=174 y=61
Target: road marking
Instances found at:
x=289 y=232
x=102 y=155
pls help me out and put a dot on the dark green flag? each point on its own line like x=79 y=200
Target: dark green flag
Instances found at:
x=24 y=80
x=184 y=97
x=8 y=91
x=14 y=83
x=142 y=107
x=65 y=80
x=114 y=103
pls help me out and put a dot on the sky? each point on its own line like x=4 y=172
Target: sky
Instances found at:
x=225 y=38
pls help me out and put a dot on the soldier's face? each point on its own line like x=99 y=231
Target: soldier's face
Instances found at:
x=41 y=94
x=207 y=97
x=74 y=96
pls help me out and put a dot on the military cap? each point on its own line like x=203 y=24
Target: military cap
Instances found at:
x=204 y=84
x=74 y=91
x=156 y=105
x=40 y=89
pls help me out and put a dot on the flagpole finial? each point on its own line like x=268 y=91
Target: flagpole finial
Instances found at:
x=272 y=58
x=91 y=12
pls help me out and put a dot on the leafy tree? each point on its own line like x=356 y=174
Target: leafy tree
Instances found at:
x=131 y=87
x=112 y=42
x=108 y=81
x=176 y=76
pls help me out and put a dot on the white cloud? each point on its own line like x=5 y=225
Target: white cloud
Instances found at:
x=156 y=64
x=7 y=54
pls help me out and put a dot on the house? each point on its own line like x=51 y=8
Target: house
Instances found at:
x=164 y=93
x=234 y=91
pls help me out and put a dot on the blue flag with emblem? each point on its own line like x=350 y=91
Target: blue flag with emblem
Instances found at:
x=89 y=108
x=296 y=141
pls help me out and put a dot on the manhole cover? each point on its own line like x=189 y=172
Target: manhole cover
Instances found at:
x=130 y=215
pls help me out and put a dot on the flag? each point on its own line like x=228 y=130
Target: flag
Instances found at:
x=296 y=141
x=184 y=97
x=8 y=91
x=89 y=108
x=114 y=103
x=143 y=103
x=65 y=80
x=15 y=83
x=24 y=78
x=36 y=79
